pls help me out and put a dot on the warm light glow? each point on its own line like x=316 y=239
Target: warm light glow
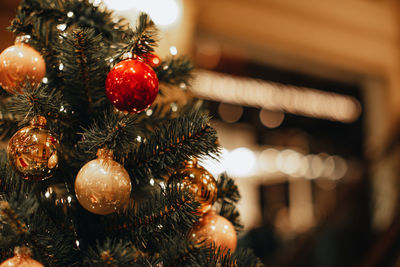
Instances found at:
x=120 y=5
x=162 y=12
x=276 y=97
x=173 y=51
x=267 y=160
x=241 y=162
x=230 y=113
x=271 y=119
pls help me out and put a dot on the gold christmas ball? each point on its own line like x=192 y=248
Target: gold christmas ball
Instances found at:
x=102 y=185
x=22 y=258
x=19 y=63
x=213 y=228
x=200 y=182
x=32 y=151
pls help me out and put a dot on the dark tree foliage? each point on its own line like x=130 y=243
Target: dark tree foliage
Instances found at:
x=80 y=43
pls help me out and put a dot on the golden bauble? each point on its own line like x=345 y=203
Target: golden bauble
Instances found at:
x=22 y=258
x=213 y=228
x=102 y=185
x=200 y=182
x=32 y=151
x=20 y=63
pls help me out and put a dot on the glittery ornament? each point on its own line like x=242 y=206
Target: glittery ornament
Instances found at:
x=32 y=151
x=213 y=228
x=102 y=185
x=20 y=63
x=200 y=182
x=132 y=85
x=22 y=258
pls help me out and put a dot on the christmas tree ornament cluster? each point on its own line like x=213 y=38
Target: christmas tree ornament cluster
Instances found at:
x=32 y=151
x=22 y=258
x=132 y=85
x=20 y=63
x=103 y=186
x=213 y=228
x=200 y=182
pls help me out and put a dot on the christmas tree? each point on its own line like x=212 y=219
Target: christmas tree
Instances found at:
x=101 y=167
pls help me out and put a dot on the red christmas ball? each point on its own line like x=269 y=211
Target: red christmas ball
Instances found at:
x=132 y=85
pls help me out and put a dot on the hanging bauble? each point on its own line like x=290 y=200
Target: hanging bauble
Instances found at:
x=20 y=63
x=32 y=151
x=132 y=85
x=150 y=59
x=102 y=185
x=213 y=228
x=200 y=182
x=22 y=258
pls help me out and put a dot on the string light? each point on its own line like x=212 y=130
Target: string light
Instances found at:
x=276 y=97
x=244 y=162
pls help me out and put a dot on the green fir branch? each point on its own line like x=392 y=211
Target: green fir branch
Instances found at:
x=143 y=40
x=229 y=211
x=113 y=252
x=227 y=189
x=83 y=70
x=171 y=211
x=181 y=251
x=113 y=131
x=171 y=144
x=8 y=121
x=38 y=101
x=175 y=71
x=40 y=19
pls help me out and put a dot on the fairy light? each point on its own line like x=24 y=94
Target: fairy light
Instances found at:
x=276 y=97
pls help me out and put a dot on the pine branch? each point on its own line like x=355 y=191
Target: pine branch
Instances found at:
x=180 y=251
x=162 y=114
x=115 y=253
x=227 y=189
x=40 y=18
x=83 y=70
x=175 y=70
x=25 y=223
x=8 y=121
x=115 y=132
x=143 y=40
x=241 y=257
x=229 y=211
x=174 y=142
x=39 y=101
x=172 y=210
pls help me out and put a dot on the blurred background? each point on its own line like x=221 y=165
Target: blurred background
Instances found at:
x=305 y=96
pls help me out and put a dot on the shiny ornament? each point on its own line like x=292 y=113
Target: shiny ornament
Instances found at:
x=20 y=63
x=132 y=85
x=32 y=151
x=150 y=59
x=22 y=258
x=200 y=182
x=213 y=228
x=102 y=185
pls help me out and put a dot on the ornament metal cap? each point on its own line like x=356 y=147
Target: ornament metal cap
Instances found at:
x=39 y=121
x=105 y=153
x=191 y=162
x=22 y=251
